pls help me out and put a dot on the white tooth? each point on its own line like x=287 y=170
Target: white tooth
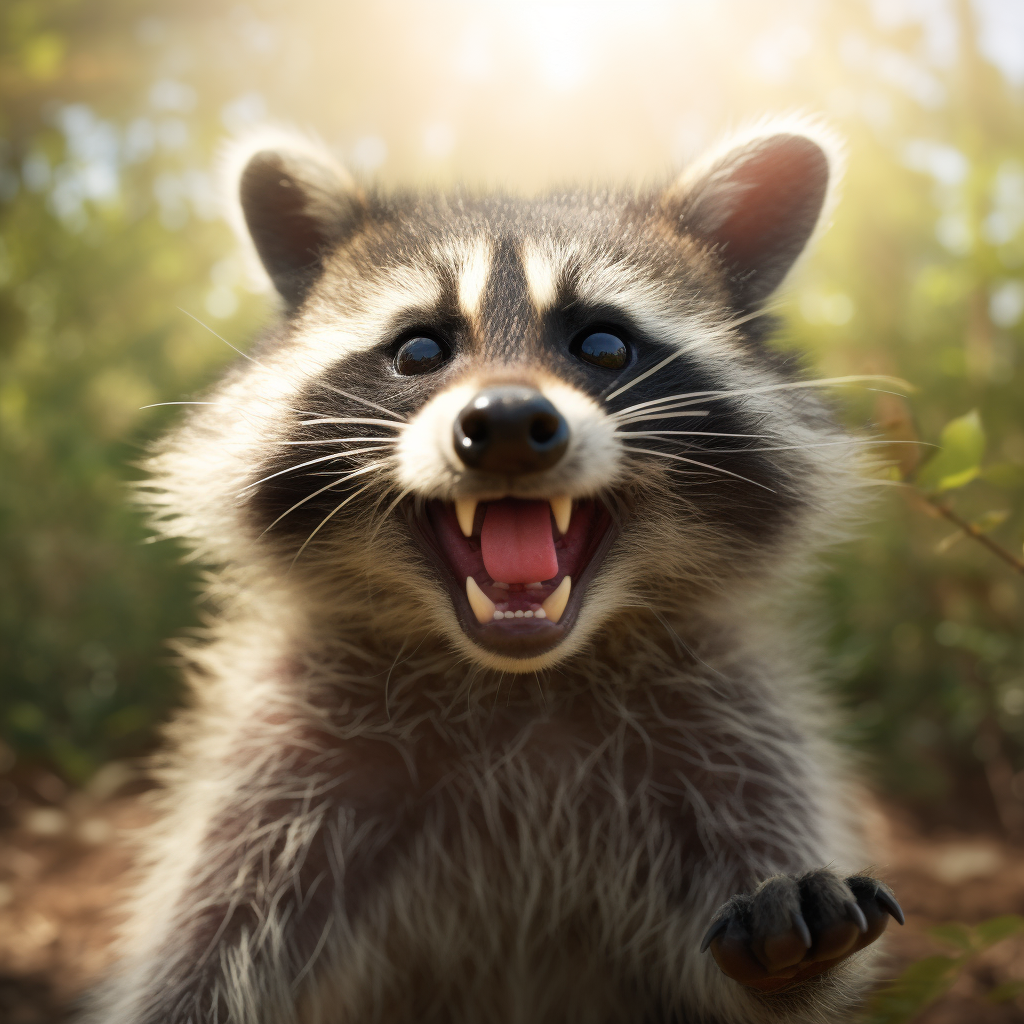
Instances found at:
x=539 y=614
x=557 y=600
x=482 y=605
x=562 y=509
x=465 y=512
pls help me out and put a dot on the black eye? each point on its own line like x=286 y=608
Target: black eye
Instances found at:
x=419 y=355
x=602 y=349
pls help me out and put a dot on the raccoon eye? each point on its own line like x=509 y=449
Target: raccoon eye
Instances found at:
x=602 y=349
x=419 y=355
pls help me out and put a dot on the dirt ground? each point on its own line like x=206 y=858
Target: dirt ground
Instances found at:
x=64 y=861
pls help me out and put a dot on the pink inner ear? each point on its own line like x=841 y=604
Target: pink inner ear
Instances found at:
x=516 y=541
x=758 y=206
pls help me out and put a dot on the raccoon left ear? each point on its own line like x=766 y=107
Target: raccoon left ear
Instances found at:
x=755 y=207
x=298 y=206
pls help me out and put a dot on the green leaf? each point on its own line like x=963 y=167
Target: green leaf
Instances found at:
x=954 y=934
x=998 y=928
x=917 y=987
x=959 y=460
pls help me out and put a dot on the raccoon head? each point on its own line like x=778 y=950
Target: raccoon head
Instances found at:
x=508 y=422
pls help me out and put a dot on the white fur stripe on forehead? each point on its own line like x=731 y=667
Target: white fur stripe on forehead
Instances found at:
x=544 y=264
x=327 y=332
x=613 y=282
x=469 y=261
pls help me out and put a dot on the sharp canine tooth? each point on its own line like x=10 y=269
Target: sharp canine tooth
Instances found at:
x=465 y=512
x=562 y=509
x=557 y=600
x=482 y=605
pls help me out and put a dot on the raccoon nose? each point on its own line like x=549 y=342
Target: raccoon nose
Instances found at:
x=510 y=430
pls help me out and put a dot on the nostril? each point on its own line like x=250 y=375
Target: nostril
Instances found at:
x=474 y=426
x=543 y=428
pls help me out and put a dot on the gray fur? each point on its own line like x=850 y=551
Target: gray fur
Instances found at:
x=368 y=816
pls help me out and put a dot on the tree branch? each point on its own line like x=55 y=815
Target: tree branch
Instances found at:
x=972 y=531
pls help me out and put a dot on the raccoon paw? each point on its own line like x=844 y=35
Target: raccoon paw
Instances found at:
x=793 y=928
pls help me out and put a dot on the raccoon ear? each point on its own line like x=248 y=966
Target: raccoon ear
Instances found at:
x=298 y=206
x=756 y=206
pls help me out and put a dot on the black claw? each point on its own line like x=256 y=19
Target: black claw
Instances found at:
x=888 y=901
x=801 y=926
x=713 y=932
x=857 y=916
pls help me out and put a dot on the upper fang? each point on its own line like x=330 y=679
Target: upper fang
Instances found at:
x=561 y=508
x=465 y=512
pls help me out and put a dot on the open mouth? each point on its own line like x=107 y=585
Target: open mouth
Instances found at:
x=517 y=569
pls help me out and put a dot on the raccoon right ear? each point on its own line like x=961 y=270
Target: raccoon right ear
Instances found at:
x=298 y=206
x=756 y=205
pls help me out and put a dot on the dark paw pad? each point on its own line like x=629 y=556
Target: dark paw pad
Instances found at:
x=793 y=928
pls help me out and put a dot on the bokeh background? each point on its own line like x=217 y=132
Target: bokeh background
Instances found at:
x=113 y=249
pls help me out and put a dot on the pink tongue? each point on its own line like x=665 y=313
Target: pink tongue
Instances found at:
x=516 y=541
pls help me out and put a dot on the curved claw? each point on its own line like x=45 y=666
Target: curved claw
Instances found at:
x=888 y=902
x=713 y=932
x=857 y=916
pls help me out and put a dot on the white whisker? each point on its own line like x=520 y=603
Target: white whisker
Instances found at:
x=323 y=522
x=687 y=398
x=686 y=433
x=334 y=483
x=365 y=401
x=774 y=448
x=244 y=355
x=387 y=512
x=664 y=416
x=675 y=355
x=303 y=465
x=644 y=375
x=225 y=405
x=703 y=465
x=354 y=419
x=343 y=440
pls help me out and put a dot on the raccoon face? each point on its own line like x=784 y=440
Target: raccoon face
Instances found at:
x=512 y=421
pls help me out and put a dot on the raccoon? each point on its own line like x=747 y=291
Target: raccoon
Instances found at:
x=499 y=717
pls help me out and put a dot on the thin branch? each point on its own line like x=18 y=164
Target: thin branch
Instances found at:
x=979 y=535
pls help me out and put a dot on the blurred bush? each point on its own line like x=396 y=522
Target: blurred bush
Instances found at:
x=111 y=114
x=927 y=980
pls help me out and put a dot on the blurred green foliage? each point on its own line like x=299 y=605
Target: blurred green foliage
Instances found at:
x=927 y=250
x=111 y=114
x=927 y=980
x=89 y=278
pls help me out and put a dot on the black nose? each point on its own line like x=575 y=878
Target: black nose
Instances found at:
x=509 y=430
